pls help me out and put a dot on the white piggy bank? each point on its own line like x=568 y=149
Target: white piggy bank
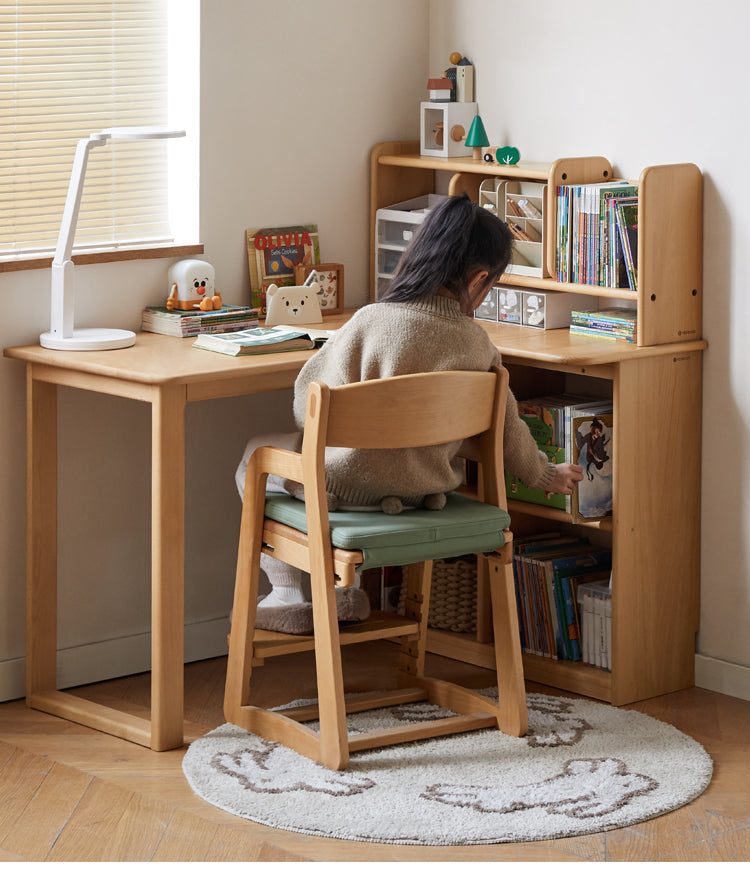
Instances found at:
x=191 y=286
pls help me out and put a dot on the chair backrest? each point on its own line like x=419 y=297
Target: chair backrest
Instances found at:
x=415 y=410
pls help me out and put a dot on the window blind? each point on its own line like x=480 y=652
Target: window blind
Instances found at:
x=67 y=69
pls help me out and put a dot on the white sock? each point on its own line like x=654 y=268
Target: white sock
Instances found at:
x=282 y=595
x=286 y=583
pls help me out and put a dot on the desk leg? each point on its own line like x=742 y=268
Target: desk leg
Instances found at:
x=167 y=568
x=41 y=539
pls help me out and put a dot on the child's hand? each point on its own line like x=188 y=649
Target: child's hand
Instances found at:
x=566 y=477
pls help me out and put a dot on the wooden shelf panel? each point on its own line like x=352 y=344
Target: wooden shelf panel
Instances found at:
x=655 y=386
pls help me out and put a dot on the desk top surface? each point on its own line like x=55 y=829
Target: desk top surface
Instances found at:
x=156 y=359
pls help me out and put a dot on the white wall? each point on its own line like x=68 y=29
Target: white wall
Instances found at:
x=644 y=83
x=293 y=96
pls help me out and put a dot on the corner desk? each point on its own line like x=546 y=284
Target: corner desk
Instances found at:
x=655 y=531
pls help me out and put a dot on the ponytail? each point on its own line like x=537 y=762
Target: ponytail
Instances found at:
x=456 y=239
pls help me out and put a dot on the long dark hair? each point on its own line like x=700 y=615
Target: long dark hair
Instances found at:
x=455 y=240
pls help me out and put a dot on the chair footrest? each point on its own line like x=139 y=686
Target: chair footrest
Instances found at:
x=419 y=731
x=378 y=626
x=362 y=701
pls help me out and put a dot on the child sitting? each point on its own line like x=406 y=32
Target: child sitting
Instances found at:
x=424 y=322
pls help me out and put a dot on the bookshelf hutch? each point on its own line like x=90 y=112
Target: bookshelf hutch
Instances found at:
x=655 y=385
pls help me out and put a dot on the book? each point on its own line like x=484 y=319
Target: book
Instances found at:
x=595 y=605
x=184 y=323
x=587 y=230
x=255 y=341
x=545 y=572
x=627 y=225
x=274 y=252
x=608 y=197
x=592 y=497
x=516 y=489
x=612 y=317
x=617 y=322
x=617 y=273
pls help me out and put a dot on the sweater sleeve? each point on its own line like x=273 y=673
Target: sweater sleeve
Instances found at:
x=521 y=455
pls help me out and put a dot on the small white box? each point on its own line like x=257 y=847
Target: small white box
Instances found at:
x=444 y=127
x=487 y=309
x=509 y=305
x=545 y=310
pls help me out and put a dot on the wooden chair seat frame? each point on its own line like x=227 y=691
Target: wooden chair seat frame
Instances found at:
x=367 y=415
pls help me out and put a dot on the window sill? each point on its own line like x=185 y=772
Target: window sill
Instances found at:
x=12 y=264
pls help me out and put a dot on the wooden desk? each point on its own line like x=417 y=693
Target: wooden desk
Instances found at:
x=167 y=373
x=655 y=531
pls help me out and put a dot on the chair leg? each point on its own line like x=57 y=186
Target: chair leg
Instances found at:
x=513 y=714
x=416 y=607
x=334 y=744
x=239 y=661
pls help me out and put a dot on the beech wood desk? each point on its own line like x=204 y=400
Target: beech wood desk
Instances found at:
x=655 y=531
x=168 y=373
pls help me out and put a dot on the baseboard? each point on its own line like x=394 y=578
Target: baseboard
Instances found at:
x=722 y=676
x=131 y=655
x=115 y=658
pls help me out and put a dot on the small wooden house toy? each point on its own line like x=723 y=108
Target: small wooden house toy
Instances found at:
x=439 y=89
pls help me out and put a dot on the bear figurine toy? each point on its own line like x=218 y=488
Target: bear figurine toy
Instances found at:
x=293 y=305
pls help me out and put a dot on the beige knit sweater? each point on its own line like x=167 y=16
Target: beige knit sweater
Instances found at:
x=390 y=339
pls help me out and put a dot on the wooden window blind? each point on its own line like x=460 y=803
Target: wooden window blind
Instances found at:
x=67 y=69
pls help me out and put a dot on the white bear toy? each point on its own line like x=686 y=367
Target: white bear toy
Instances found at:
x=293 y=305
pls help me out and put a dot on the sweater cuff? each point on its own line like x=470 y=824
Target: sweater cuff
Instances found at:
x=547 y=476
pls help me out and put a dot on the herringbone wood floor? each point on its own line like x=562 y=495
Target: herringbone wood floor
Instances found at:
x=68 y=793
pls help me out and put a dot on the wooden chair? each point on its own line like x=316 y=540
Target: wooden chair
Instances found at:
x=409 y=411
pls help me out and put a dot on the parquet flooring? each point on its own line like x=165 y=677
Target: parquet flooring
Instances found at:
x=68 y=793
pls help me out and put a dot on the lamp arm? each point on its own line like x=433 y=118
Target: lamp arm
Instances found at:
x=62 y=293
x=73 y=201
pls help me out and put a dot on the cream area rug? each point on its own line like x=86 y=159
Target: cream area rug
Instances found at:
x=582 y=768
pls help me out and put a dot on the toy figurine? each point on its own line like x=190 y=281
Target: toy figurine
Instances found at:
x=294 y=304
x=192 y=286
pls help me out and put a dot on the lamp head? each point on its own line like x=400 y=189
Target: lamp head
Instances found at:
x=139 y=132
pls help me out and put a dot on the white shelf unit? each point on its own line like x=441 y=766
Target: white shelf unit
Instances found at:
x=500 y=196
x=395 y=227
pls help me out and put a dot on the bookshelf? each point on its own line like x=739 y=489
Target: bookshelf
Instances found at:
x=655 y=385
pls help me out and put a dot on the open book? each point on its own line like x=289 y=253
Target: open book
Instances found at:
x=282 y=338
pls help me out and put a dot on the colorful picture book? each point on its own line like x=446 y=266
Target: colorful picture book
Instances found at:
x=616 y=322
x=593 y=433
x=257 y=341
x=274 y=253
x=184 y=323
x=589 y=241
x=548 y=570
x=550 y=420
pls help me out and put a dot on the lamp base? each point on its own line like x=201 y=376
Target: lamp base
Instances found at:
x=89 y=338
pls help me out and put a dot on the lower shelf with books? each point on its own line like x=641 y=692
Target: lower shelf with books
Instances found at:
x=567 y=675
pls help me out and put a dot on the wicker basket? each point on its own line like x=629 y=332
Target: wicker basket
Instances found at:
x=453 y=596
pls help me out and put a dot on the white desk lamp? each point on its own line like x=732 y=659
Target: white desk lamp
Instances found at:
x=62 y=334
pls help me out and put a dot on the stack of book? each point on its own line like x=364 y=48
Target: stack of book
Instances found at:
x=179 y=323
x=615 y=323
x=597 y=234
x=595 y=613
x=551 y=571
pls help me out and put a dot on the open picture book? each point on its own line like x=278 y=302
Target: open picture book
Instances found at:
x=250 y=341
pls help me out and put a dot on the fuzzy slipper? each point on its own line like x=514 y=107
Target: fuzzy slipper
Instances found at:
x=352 y=605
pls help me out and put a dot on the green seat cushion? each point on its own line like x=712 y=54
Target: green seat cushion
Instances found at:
x=464 y=526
